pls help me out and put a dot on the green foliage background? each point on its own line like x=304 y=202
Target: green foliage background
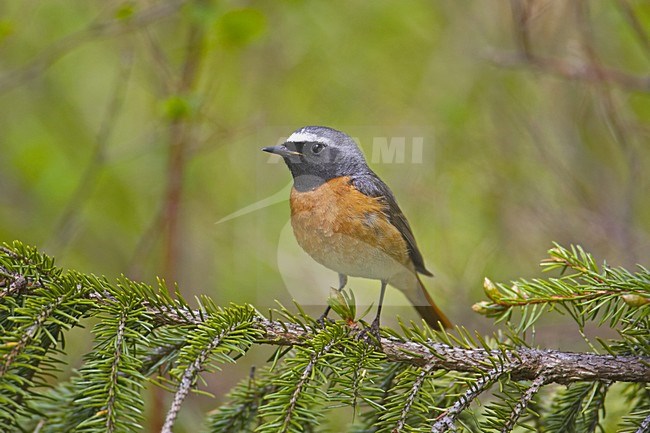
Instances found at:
x=513 y=159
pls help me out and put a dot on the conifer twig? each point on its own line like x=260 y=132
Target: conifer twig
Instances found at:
x=187 y=380
x=559 y=367
x=523 y=402
x=645 y=426
x=114 y=377
x=304 y=377
x=214 y=334
x=410 y=398
x=191 y=371
x=30 y=332
x=447 y=419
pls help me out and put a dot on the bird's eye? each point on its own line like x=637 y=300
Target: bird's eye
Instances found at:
x=317 y=148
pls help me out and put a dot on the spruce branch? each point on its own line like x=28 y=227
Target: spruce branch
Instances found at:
x=114 y=374
x=411 y=396
x=189 y=375
x=585 y=291
x=351 y=383
x=403 y=384
x=107 y=387
x=560 y=367
x=645 y=426
x=28 y=334
x=523 y=402
x=383 y=393
x=294 y=405
x=223 y=332
x=446 y=420
x=304 y=377
x=574 y=406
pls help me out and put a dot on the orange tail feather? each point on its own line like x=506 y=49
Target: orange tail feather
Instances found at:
x=432 y=314
x=425 y=306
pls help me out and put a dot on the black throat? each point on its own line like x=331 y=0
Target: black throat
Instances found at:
x=307 y=182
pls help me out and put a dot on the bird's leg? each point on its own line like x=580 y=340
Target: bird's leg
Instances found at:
x=374 y=326
x=343 y=280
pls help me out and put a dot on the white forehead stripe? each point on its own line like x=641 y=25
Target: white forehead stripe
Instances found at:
x=301 y=137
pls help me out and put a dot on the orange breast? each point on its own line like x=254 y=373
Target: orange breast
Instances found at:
x=347 y=231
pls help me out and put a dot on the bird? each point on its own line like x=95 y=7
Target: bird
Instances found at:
x=348 y=220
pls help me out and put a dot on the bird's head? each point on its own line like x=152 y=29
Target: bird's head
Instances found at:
x=316 y=154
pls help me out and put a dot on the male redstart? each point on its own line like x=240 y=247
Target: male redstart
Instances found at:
x=347 y=219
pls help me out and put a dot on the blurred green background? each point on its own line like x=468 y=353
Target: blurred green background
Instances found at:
x=129 y=130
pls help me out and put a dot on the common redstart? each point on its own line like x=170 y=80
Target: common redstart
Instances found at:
x=348 y=220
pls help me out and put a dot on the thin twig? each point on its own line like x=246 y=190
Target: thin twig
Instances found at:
x=569 y=70
x=181 y=138
x=66 y=224
x=304 y=377
x=523 y=402
x=644 y=427
x=39 y=426
x=515 y=302
x=638 y=28
x=111 y=410
x=18 y=283
x=521 y=16
x=30 y=332
x=618 y=128
x=187 y=380
x=159 y=57
x=410 y=398
x=447 y=419
x=112 y=27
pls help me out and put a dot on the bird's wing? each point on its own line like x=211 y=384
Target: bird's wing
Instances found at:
x=372 y=186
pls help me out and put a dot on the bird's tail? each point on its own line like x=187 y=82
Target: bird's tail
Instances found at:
x=421 y=300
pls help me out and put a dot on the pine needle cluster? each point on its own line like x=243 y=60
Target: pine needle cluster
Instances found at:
x=411 y=380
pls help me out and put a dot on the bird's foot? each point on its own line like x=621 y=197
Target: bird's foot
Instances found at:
x=371 y=334
x=323 y=319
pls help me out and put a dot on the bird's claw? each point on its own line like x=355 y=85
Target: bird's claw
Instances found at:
x=371 y=334
x=323 y=319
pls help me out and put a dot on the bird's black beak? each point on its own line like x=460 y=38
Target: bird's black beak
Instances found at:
x=281 y=150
